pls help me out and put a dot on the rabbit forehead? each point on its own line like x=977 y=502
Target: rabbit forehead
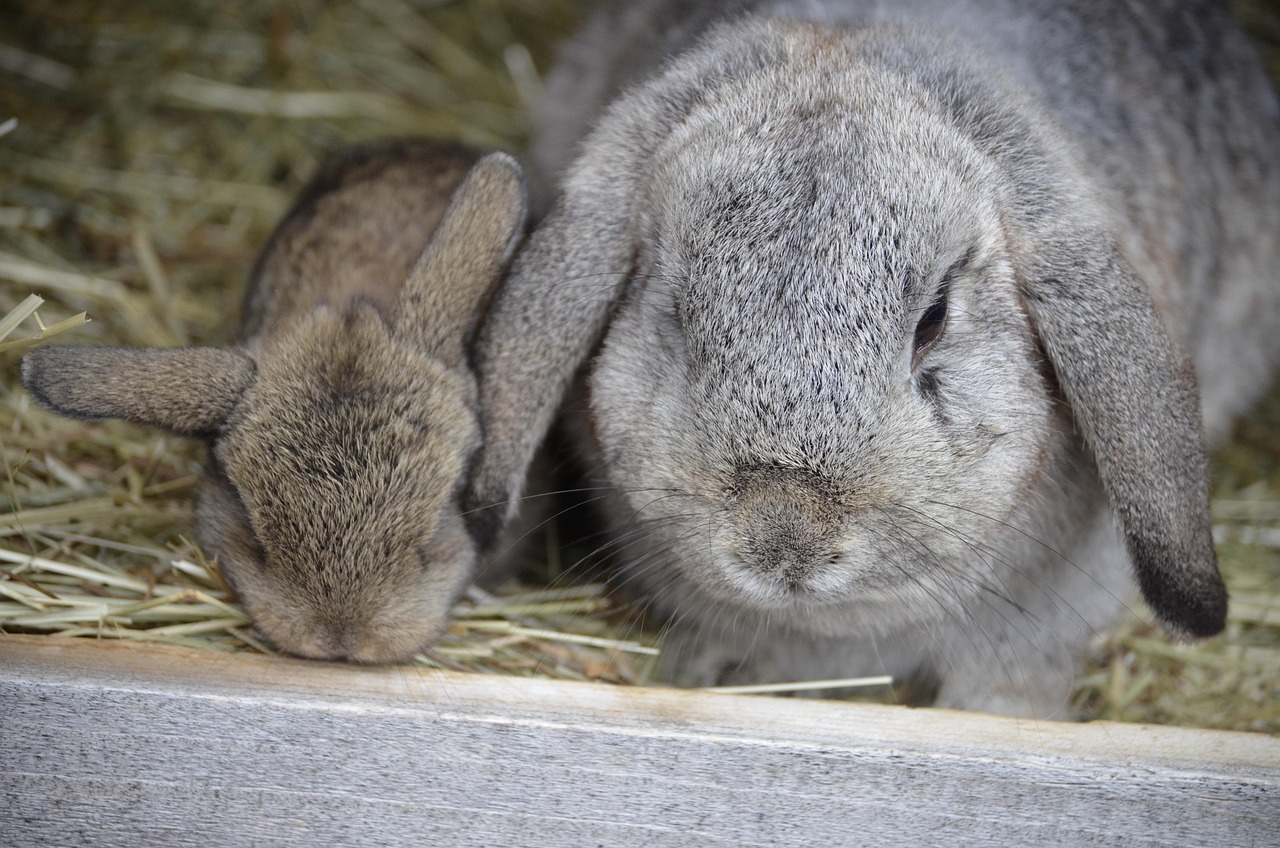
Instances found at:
x=795 y=183
x=351 y=492
x=826 y=265
x=805 y=90
x=347 y=438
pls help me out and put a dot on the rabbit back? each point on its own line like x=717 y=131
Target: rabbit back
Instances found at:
x=355 y=231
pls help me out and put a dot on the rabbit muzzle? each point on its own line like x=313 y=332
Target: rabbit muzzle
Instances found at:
x=786 y=528
x=354 y=640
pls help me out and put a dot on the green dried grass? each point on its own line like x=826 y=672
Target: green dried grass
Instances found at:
x=155 y=147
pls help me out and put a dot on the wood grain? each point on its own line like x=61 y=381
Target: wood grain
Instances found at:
x=110 y=744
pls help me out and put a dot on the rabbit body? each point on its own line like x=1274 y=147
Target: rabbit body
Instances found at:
x=340 y=424
x=888 y=316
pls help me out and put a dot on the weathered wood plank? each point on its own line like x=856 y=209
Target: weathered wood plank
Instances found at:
x=108 y=744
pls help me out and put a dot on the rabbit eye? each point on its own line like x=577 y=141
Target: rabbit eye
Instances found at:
x=929 y=330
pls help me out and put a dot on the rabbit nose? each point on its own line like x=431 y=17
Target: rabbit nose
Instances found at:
x=787 y=531
x=340 y=641
x=346 y=642
x=373 y=643
x=788 y=554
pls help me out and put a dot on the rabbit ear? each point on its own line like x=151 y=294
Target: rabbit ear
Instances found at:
x=1134 y=396
x=551 y=311
x=447 y=289
x=189 y=391
x=545 y=320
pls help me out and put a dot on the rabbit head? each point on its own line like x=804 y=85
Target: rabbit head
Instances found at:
x=338 y=431
x=855 y=312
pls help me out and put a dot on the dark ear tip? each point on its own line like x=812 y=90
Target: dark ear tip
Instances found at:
x=30 y=365
x=1180 y=580
x=1191 y=612
x=484 y=523
x=38 y=371
x=1209 y=618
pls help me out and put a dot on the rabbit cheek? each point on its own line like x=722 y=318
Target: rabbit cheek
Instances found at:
x=222 y=530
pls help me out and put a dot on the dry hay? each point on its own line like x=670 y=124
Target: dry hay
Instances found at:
x=154 y=147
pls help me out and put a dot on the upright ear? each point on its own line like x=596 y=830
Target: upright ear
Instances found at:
x=1134 y=396
x=450 y=285
x=189 y=391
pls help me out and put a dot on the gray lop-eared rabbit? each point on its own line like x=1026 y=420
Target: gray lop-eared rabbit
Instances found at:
x=889 y=317
x=341 y=423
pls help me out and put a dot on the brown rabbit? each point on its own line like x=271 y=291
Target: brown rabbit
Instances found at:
x=342 y=421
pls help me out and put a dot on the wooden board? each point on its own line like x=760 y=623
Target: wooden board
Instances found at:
x=110 y=744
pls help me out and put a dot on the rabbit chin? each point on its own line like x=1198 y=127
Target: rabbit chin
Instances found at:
x=835 y=585
x=748 y=585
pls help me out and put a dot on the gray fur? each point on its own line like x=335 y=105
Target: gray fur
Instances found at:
x=343 y=420
x=758 y=201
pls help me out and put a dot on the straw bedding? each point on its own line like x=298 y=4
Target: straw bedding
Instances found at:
x=146 y=149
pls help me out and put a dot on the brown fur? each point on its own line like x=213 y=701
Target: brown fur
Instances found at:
x=343 y=420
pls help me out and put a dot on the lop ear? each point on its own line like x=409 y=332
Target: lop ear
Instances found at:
x=1134 y=396
x=189 y=391
x=448 y=288
x=545 y=320
x=552 y=310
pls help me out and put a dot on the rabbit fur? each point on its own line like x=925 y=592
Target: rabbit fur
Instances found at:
x=340 y=424
x=888 y=318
